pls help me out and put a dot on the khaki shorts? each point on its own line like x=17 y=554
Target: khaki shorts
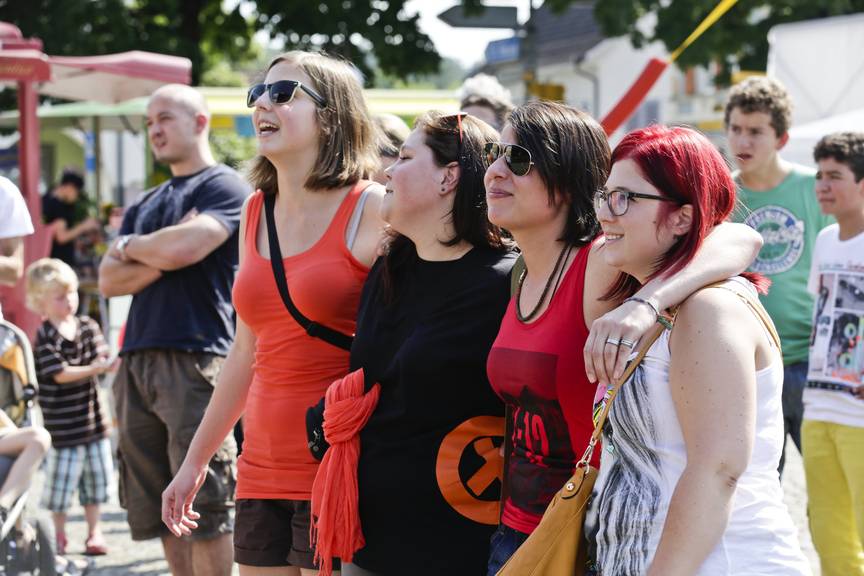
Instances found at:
x=161 y=397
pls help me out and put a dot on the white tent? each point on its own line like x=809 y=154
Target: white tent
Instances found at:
x=803 y=138
x=821 y=65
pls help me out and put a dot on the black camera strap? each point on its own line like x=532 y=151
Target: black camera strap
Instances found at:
x=313 y=329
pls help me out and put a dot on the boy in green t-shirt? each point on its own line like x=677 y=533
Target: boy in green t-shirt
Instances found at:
x=780 y=204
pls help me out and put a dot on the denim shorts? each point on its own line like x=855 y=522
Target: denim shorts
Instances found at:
x=503 y=544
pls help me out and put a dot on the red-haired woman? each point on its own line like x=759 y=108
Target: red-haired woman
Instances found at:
x=688 y=482
x=540 y=183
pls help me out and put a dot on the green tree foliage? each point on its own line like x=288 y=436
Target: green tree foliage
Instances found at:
x=201 y=30
x=373 y=34
x=232 y=149
x=740 y=38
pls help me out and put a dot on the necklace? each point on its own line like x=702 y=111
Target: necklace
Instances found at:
x=555 y=272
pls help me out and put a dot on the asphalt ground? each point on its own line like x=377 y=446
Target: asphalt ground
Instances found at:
x=146 y=558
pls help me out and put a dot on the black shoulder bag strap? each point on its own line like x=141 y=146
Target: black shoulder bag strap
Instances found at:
x=313 y=329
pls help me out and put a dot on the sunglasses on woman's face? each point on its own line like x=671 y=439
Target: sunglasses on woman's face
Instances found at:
x=518 y=159
x=282 y=92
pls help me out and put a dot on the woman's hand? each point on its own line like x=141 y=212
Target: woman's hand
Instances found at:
x=177 y=512
x=604 y=359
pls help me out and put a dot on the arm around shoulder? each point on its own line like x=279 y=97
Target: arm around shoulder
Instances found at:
x=727 y=251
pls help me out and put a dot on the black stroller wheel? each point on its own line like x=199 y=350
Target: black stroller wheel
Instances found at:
x=45 y=558
x=38 y=557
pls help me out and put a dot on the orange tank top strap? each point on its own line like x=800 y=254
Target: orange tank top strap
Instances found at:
x=336 y=232
x=253 y=216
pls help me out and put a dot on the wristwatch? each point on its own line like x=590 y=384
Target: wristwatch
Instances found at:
x=121 y=245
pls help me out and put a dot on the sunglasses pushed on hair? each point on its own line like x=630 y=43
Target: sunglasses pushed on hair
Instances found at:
x=282 y=92
x=517 y=158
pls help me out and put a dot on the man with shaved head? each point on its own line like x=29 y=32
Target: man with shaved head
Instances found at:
x=177 y=255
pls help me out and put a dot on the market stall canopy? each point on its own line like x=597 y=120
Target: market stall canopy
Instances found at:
x=803 y=138
x=115 y=77
x=819 y=61
x=124 y=116
x=227 y=107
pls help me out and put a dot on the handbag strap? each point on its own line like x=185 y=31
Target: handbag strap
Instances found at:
x=644 y=345
x=757 y=308
x=312 y=328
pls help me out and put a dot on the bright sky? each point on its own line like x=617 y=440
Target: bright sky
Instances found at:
x=463 y=44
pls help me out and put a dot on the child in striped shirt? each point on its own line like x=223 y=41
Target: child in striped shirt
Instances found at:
x=70 y=353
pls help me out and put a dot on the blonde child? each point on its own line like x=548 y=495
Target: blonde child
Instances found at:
x=70 y=353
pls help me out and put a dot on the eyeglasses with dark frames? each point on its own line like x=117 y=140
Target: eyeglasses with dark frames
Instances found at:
x=282 y=92
x=618 y=200
x=517 y=158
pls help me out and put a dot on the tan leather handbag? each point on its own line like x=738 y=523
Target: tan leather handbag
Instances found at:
x=557 y=547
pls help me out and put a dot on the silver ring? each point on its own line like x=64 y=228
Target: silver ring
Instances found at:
x=627 y=343
x=613 y=341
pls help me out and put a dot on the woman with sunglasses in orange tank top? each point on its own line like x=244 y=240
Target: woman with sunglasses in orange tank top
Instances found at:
x=316 y=143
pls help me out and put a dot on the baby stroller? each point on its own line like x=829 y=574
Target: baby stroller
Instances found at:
x=26 y=544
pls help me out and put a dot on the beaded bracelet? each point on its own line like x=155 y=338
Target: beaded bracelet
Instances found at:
x=657 y=316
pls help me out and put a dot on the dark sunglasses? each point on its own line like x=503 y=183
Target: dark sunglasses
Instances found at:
x=518 y=159
x=618 y=200
x=281 y=92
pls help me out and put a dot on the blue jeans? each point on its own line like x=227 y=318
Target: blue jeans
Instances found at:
x=794 y=381
x=502 y=545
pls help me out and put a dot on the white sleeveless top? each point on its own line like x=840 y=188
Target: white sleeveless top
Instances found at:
x=643 y=457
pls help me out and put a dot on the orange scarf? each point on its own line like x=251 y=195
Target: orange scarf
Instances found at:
x=336 y=530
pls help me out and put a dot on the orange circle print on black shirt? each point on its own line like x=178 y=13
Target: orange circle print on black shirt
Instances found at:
x=469 y=468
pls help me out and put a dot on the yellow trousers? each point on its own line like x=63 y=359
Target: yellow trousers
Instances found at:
x=834 y=465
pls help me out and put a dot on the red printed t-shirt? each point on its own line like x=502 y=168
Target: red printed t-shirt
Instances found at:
x=292 y=370
x=538 y=370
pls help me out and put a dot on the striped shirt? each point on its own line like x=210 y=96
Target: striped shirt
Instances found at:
x=71 y=411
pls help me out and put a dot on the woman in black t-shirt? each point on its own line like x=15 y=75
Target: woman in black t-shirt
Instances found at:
x=430 y=464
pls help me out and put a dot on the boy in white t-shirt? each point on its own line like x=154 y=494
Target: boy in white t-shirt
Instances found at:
x=833 y=429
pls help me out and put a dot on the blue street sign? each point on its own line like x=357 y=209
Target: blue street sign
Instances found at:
x=505 y=50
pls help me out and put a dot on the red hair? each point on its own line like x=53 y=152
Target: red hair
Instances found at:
x=685 y=166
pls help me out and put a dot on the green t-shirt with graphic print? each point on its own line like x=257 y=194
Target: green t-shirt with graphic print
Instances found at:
x=789 y=219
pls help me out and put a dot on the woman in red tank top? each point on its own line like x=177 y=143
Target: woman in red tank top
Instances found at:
x=315 y=143
x=540 y=184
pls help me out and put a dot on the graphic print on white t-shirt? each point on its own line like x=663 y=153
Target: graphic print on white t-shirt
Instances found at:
x=838 y=348
x=837 y=338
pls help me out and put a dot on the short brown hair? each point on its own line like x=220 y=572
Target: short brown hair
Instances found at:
x=46 y=274
x=762 y=94
x=844 y=147
x=347 y=144
x=571 y=153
